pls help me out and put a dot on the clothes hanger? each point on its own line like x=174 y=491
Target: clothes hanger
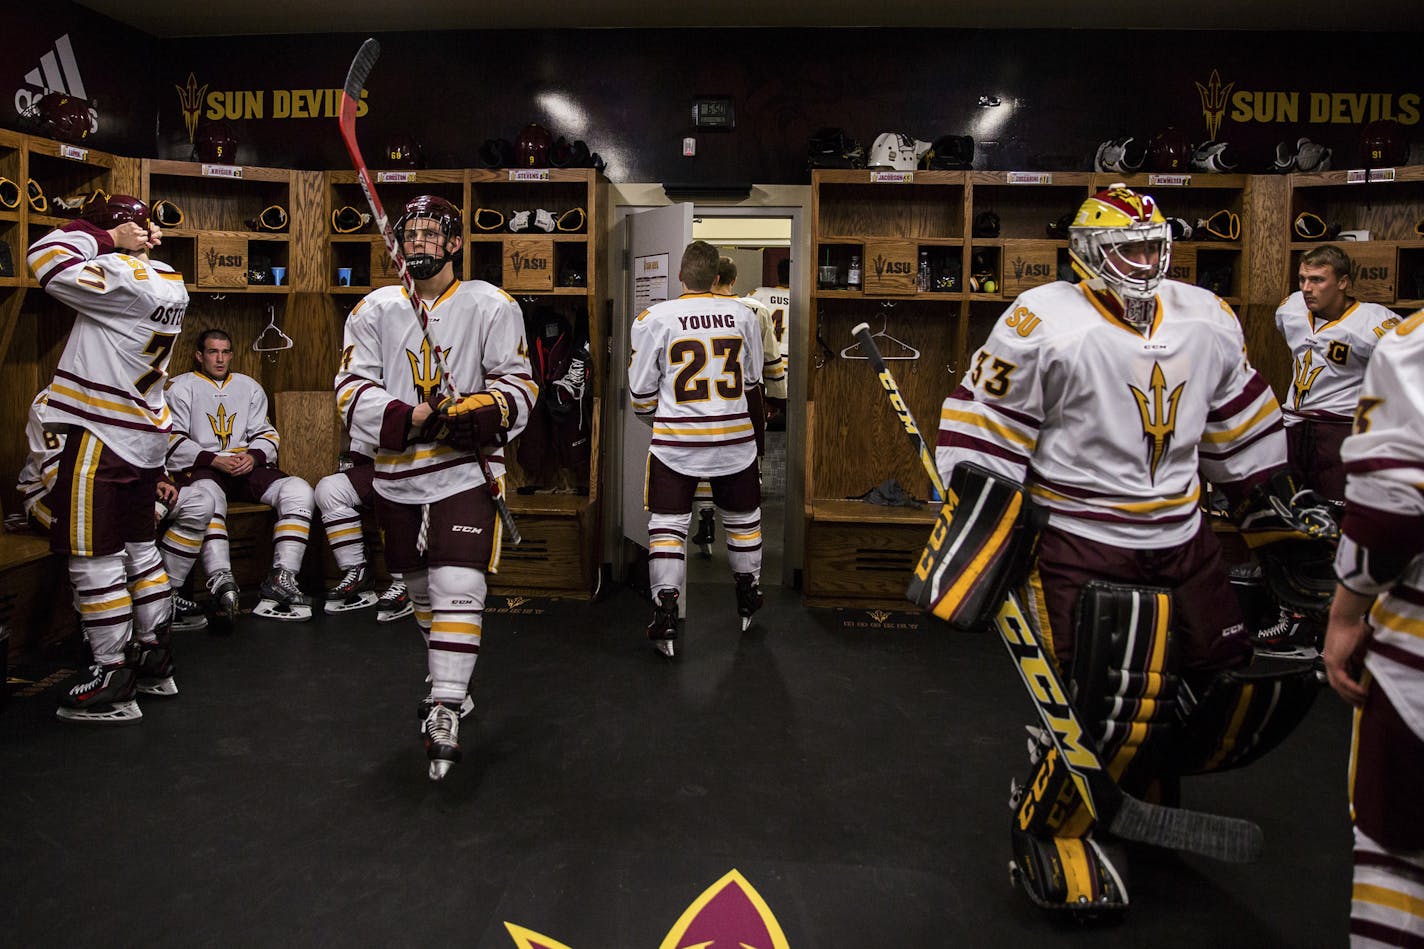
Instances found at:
x=904 y=351
x=283 y=340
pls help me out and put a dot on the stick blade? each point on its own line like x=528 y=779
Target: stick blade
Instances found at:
x=366 y=57
x=1229 y=839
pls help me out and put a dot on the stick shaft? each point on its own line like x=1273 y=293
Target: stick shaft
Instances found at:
x=897 y=402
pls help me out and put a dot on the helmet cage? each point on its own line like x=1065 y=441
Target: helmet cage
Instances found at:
x=1097 y=253
x=446 y=215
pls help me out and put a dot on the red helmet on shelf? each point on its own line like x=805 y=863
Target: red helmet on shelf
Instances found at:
x=216 y=144
x=63 y=117
x=1382 y=145
x=532 y=148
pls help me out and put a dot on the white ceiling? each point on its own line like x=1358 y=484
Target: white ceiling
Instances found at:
x=172 y=19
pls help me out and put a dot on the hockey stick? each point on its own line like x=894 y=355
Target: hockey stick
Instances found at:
x=1212 y=835
x=356 y=77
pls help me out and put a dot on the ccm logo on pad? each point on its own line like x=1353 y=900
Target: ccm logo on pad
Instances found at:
x=466 y=529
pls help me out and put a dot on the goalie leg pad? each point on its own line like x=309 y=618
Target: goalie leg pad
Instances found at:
x=1244 y=713
x=1069 y=875
x=980 y=542
x=1124 y=677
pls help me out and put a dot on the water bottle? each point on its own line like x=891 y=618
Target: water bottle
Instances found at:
x=853 y=277
x=924 y=275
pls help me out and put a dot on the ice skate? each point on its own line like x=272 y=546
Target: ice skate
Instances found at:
x=467 y=705
x=223 y=589
x=100 y=694
x=662 y=629
x=350 y=593
x=1291 y=636
x=187 y=615
x=282 y=599
x=394 y=604
x=152 y=665
x=749 y=597
x=442 y=739
x=706 y=534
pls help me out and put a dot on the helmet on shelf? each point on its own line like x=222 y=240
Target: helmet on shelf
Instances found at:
x=216 y=144
x=63 y=117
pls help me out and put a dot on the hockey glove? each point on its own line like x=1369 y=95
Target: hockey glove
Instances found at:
x=1280 y=509
x=476 y=419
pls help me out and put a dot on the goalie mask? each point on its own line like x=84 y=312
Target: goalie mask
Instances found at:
x=1120 y=243
x=108 y=213
x=896 y=150
x=423 y=266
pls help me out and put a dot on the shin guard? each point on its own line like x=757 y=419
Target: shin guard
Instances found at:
x=1241 y=714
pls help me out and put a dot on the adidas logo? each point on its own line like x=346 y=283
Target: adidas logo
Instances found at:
x=57 y=72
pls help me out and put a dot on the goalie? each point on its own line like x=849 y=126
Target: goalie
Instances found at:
x=1102 y=400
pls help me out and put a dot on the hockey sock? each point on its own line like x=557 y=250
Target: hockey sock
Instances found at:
x=667 y=552
x=336 y=500
x=743 y=540
x=105 y=608
x=292 y=499
x=216 y=552
x=417 y=587
x=148 y=588
x=457 y=597
x=180 y=544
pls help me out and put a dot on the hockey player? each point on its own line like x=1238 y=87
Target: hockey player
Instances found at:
x=1331 y=336
x=695 y=377
x=773 y=383
x=342 y=498
x=107 y=396
x=186 y=511
x=227 y=447
x=777 y=300
x=1105 y=398
x=432 y=502
x=1375 y=623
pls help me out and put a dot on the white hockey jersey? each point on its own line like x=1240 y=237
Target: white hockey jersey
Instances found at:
x=1384 y=488
x=387 y=367
x=692 y=360
x=1106 y=426
x=1328 y=358
x=777 y=301
x=42 y=463
x=212 y=418
x=129 y=313
x=773 y=364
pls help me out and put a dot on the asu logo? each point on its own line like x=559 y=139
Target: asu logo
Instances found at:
x=729 y=913
x=1214 y=97
x=1159 y=416
x=190 y=99
x=521 y=261
x=880 y=616
x=1304 y=378
x=424 y=373
x=222 y=426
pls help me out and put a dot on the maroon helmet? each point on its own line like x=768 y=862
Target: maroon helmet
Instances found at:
x=63 y=117
x=1382 y=145
x=107 y=213
x=216 y=144
x=532 y=148
x=424 y=266
x=1169 y=151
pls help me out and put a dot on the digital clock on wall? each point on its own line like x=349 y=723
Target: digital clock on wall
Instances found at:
x=714 y=113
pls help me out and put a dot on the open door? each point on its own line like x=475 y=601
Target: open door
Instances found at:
x=655 y=240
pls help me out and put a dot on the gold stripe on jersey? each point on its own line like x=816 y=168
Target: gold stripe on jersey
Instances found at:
x=48 y=256
x=420 y=454
x=988 y=424
x=1267 y=409
x=1393 y=899
x=1380 y=616
x=690 y=428
x=81 y=495
x=1132 y=507
x=123 y=408
x=168 y=275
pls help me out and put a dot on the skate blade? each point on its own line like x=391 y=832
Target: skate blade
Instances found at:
x=190 y=625
x=666 y=647
x=360 y=602
x=706 y=550
x=120 y=713
x=439 y=768
x=271 y=609
x=160 y=687
x=392 y=617
x=746 y=622
x=1295 y=653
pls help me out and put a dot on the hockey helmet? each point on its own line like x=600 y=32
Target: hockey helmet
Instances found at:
x=496 y=153
x=1215 y=157
x=831 y=147
x=531 y=150
x=1169 y=151
x=216 y=144
x=1123 y=156
x=63 y=117
x=446 y=215
x=402 y=151
x=109 y=212
x=1382 y=145
x=949 y=153
x=1105 y=225
x=896 y=150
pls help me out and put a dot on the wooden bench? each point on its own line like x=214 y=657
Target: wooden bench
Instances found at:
x=35 y=601
x=863 y=555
